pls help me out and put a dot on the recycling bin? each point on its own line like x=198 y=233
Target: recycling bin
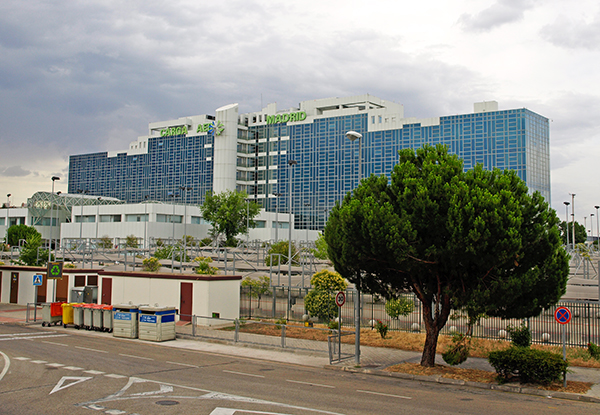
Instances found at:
x=67 y=313
x=157 y=323
x=107 y=317
x=51 y=314
x=88 y=316
x=78 y=315
x=125 y=321
x=97 y=317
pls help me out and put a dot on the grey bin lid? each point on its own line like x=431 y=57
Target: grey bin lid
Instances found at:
x=156 y=309
x=125 y=307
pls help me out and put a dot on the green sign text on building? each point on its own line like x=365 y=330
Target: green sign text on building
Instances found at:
x=216 y=127
x=173 y=131
x=289 y=117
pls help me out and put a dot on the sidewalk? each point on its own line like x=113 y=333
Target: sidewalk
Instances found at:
x=373 y=359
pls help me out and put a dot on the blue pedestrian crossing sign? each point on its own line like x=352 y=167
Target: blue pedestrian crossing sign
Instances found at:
x=37 y=279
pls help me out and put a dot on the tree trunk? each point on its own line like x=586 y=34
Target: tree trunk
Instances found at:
x=432 y=328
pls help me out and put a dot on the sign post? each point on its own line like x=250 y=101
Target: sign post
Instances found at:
x=340 y=300
x=562 y=315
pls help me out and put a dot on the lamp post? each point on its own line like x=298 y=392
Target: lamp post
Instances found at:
x=352 y=136
x=573 y=218
x=277 y=215
x=97 y=217
x=592 y=227
x=7 y=215
x=598 y=229
x=291 y=163
x=173 y=195
x=184 y=190
x=54 y=178
x=567 y=221
x=81 y=222
x=306 y=205
x=145 y=219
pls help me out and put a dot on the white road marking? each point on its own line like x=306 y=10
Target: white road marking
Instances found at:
x=22 y=358
x=37 y=362
x=74 y=381
x=135 y=357
x=113 y=376
x=94 y=372
x=56 y=344
x=310 y=384
x=183 y=364
x=6 y=365
x=114 y=412
x=54 y=364
x=33 y=337
x=243 y=374
x=384 y=394
x=73 y=368
x=91 y=350
x=22 y=334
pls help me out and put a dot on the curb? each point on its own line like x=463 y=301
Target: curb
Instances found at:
x=479 y=385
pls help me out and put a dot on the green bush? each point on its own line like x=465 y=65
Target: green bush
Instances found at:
x=397 y=307
x=458 y=351
x=321 y=304
x=520 y=336
x=204 y=267
x=105 y=242
x=280 y=322
x=131 y=241
x=151 y=264
x=594 y=350
x=206 y=241
x=281 y=248
x=530 y=365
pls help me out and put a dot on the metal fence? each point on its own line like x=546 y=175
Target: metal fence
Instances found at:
x=583 y=328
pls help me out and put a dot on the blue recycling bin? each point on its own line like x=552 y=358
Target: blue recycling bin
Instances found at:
x=125 y=321
x=157 y=323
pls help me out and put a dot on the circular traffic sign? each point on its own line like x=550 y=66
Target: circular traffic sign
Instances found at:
x=340 y=298
x=562 y=315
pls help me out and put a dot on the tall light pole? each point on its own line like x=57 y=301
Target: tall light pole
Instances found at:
x=184 y=190
x=97 y=217
x=573 y=218
x=54 y=178
x=7 y=215
x=173 y=195
x=598 y=239
x=353 y=135
x=277 y=215
x=146 y=219
x=291 y=164
x=567 y=221
x=592 y=227
x=306 y=205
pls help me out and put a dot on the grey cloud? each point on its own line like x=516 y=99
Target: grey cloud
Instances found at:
x=573 y=34
x=498 y=14
x=15 y=171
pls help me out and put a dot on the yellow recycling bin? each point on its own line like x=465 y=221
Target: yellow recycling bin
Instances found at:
x=67 y=313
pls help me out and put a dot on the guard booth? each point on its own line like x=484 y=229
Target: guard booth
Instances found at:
x=125 y=321
x=157 y=323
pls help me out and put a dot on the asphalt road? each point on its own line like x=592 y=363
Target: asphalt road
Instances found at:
x=45 y=371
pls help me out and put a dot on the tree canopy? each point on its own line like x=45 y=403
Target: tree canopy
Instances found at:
x=580 y=233
x=474 y=240
x=229 y=213
x=20 y=232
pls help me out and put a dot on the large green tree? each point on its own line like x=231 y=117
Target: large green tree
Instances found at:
x=20 y=232
x=229 y=213
x=580 y=233
x=474 y=240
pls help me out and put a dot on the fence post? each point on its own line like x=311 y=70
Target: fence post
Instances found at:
x=283 y=336
x=194 y=325
x=237 y=330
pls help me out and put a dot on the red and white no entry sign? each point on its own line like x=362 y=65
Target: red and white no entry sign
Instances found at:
x=340 y=298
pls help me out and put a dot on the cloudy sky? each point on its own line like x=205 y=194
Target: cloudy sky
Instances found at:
x=86 y=76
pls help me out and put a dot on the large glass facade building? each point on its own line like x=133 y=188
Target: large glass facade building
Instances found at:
x=251 y=152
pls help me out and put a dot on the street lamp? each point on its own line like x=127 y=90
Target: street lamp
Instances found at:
x=173 y=195
x=573 y=218
x=97 y=217
x=592 y=226
x=291 y=163
x=184 y=190
x=277 y=215
x=567 y=221
x=54 y=178
x=598 y=229
x=7 y=215
x=306 y=205
x=352 y=136
x=146 y=219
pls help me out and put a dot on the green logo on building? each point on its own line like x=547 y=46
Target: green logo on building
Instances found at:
x=215 y=127
x=173 y=131
x=289 y=117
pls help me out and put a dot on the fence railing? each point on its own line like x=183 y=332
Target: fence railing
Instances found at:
x=583 y=328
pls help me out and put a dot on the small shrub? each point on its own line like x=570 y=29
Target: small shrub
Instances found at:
x=204 y=266
x=333 y=325
x=381 y=328
x=397 y=307
x=281 y=248
x=594 y=350
x=151 y=264
x=458 y=351
x=206 y=241
x=520 y=336
x=280 y=322
x=131 y=241
x=530 y=365
x=69 y=265
x=105 y=242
